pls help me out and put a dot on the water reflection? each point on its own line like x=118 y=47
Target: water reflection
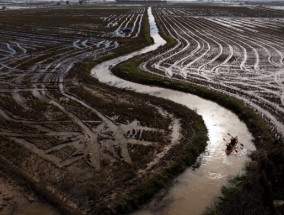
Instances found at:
x=195 y=189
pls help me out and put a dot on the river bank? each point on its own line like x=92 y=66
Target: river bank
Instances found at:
x=215 y=126
x=267 y=142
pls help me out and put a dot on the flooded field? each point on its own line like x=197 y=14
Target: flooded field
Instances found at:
x=198 y=186
x=225 y=49
x=66 y=134
x=238 y=51
x=84 y=145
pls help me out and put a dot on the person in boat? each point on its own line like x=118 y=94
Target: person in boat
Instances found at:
x=233 y=142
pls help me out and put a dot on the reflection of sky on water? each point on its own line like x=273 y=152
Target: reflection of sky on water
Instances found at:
x=196 y=187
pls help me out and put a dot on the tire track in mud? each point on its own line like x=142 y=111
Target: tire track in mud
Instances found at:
x=175 y=53
x=20 y=47
x=48 y=73
x=140 y=18
x=87 y=131
x=209 y=37
x=184 y=48
x=265 y=38
x=279 y=79
x=260 y=60
x=10 y=49
x=196 y=51
x=85 y=141
x=256 y=65
x=245 y=58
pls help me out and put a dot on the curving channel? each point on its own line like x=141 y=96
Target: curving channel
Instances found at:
x=198 y=186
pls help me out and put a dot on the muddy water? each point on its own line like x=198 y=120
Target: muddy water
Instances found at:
x=197 y=187
x=34 y=208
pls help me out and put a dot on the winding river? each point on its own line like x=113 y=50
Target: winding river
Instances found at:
x=196 y=188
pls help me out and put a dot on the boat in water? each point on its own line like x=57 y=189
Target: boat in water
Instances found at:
x=232 y=145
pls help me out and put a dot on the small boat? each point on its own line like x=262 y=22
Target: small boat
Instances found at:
x=231 y=145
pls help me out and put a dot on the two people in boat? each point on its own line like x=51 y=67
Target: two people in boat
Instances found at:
x=232 y=143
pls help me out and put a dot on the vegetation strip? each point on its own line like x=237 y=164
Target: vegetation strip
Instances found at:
x=186 y=155
x=193 y=147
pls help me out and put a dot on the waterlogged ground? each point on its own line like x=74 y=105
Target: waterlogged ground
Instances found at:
x=235 y=50
x=83 y=143
x=197 y=188
x=199 y=185
x=78 y=142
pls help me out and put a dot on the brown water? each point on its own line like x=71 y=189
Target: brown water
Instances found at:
x=34 y=208
x=196 y=188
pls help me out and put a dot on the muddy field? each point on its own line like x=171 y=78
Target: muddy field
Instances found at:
x=237 y=50
x=220 y=53
x=82 y=145
x=65 y=137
